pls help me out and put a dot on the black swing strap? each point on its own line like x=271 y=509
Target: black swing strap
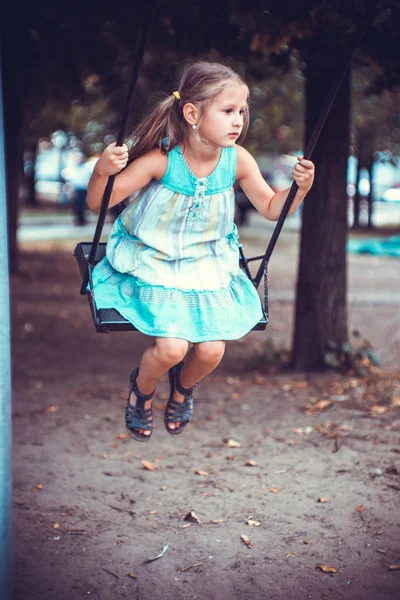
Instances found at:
x=307 y=155
x=120 y=140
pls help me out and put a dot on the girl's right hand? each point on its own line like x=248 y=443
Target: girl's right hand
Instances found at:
x=113 y=159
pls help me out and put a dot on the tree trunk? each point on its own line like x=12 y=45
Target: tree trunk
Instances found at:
x=321 y=311
x=31 y=199
x=357 y=198
x=370 y=198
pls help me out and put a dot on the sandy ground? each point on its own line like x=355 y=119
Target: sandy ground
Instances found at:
x=311 y=459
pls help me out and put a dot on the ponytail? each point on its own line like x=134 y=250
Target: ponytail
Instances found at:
x=163 y=127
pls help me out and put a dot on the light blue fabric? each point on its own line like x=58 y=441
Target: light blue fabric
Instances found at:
x=381 y=247
x=172 y=261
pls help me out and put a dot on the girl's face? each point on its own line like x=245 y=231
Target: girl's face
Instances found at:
x=222 y=121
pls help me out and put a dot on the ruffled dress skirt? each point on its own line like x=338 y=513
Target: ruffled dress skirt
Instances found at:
x=172 y=263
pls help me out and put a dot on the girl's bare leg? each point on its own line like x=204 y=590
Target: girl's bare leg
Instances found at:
x=156 y=360
x=202 y=359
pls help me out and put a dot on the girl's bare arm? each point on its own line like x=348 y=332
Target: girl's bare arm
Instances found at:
x=266 y=201
x=138 y=174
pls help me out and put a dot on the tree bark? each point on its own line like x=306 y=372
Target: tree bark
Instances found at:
x=321 y=311
x=370 y=198
x=357 y=198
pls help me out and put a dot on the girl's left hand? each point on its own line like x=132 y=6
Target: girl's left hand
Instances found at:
x=303 y=173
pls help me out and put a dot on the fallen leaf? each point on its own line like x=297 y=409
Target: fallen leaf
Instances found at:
x=322 y=404
x=378 y=410
x=148 y=465
x=252 y=523
x=246 y=541
x=51 y=409
x=187 y=525
x=122 y=436
x=327 y=569
x=378 y=532
x=163 y=487
x=289 y=554
x=323 y=500
x=192 y=517
x=153 y=512
x=37 y=488
x=235 y=396
x=274 y=490
x=200 y=472
x=394 y=567
x=132 y=575
x=360 y=508
x=259 y=379
x=231 y=443
x=286 y=387
x=56 y=526
x=251 y=463
x=217 y=521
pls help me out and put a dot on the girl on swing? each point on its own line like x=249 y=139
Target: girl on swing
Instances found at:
x=172 y=261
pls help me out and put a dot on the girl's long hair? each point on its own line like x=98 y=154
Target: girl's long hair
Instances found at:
x=165 y=126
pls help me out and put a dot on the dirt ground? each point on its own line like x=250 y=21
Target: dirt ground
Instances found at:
x=305 y=466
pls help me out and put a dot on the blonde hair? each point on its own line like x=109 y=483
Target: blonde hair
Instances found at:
x=165 y=126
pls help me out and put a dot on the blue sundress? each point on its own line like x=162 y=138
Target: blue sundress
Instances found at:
x=172 y=261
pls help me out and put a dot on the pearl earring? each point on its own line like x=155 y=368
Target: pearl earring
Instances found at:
x=194 y=126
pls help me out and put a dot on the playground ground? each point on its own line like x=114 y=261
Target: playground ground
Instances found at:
x=285 y=486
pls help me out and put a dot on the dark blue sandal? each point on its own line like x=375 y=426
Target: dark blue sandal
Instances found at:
x=178 y=412
x=138 y=417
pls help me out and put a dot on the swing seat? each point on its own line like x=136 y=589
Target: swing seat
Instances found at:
x=108 y=319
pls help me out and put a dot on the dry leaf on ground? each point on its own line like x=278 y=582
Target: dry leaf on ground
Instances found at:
x=51 y=409
x=252 y=522
x=360 y=508
x=327 y=569
x=217 y=521
x=323 y=500
x=132 y=575
x=231 y=443
x=37 y=488
x=192 y=517
x=148 y=465
x=200 y=472
x=274 y=490
x=246 y=541
x=251 y=463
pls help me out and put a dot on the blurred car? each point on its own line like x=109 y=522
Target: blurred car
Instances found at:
x=391 y=195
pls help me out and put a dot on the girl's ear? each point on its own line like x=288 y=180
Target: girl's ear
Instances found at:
x=190 y=113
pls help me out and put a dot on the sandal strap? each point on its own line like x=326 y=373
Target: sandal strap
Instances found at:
x=138 y=418
x=184 y=391
x=179 y=411
x=134 y=388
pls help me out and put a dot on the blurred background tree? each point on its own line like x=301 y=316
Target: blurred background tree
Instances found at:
x=73 y=63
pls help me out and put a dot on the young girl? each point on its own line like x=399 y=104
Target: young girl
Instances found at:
x=172 y=262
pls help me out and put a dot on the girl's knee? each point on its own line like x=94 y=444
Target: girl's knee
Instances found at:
x=171 y=351
x=210 y=352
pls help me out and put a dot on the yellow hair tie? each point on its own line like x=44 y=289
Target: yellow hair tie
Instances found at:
x=177 y=95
